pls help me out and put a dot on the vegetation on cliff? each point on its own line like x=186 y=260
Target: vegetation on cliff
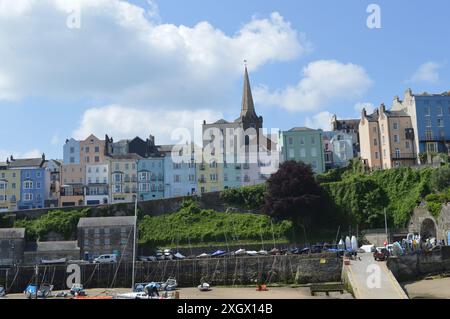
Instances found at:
x=61 y=222
x=192 y=225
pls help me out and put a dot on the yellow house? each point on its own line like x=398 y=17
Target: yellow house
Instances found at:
x=9 y=188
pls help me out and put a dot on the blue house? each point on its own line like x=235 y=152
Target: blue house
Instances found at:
x=71 y=152
x=430 y=117
x=34 y=181
x=151 y=178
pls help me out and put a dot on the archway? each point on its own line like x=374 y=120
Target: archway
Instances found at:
x=428 y=229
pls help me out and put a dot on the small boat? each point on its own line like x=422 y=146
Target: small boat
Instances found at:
x=170 y=284
x=218 y=253
x=240 y=252
x=204 y=287
x=204 y=255
x=341 y=244
x=348 y=243
x=31 y=291
x=263 y=252
x=179 y=256
x=77 y=290
x=354 y=243
x=252 y=253
x=2 y=291
x=275 y=251
x=53 y=261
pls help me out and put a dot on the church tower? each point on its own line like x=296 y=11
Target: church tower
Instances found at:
x=248 y=117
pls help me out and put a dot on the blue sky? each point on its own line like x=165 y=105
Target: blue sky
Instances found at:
x=57 y=82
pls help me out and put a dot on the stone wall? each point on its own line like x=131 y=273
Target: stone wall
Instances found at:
x=189 y=273
x=411 y=267
x=442 y=223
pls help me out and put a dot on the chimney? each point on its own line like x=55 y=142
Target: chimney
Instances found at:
x=43 y=156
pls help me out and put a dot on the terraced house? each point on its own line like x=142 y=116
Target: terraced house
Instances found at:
x=151 y=177
x=9 y=188
x=387 y=139
x=123 y=177
x=303 y=144
x=34 y=181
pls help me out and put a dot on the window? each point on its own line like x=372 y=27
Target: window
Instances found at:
x=302 y=140
x=382 y=128
x=28 y=185
x=397 y=153
x=303 y=152
x=87 y=159
x=291 y=141
x=440 y=122
x=291 y=153
x=314 y=152
x=428 y=122
x=87 y=149
x=376 y=155
x=384 y=153
x=38 y=174
x=72 y=160
x=407 y=145
x=72 y=150
x=28 y=197
x=176 y=178
x=383 y=139
x=97 y=149
x=127 y=166
x=313 y=140
x=97 y=159
x=38 y=185
x=107 y=241
x=395 y=125
x=375 y=142
x=396 y=139
x=374 y=129
x=440 y=111
x=117 y=166
x=427 y=109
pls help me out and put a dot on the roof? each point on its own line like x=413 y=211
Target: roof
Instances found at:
x=301 y=129
x=26 y=162
x=12 y=233
x=400 y=113
x=106 y=221
x=165 y=148
x=248 y=107
x=57 y=245
x=222 y=121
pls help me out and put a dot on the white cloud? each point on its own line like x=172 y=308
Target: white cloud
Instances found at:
x=427 y=72
x=55 y=139
x=321 y=120
x=126 y=122
x=123 y=54
x=323 y=82
x=370 y=107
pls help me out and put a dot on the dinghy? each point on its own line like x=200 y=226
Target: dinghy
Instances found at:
x=348 y=243
x=354 y=243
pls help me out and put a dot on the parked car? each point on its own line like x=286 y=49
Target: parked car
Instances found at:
x=381 y=254
x=102 y=259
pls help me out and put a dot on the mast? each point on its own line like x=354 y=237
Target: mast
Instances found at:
x=134 y=243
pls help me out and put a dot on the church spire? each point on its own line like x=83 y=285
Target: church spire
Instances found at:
x=248 y=108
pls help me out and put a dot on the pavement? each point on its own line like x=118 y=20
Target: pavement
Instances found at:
x=372 y=279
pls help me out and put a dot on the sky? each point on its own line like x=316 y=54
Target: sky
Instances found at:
x=69 y=68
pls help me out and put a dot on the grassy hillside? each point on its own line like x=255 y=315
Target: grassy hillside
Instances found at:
x=191 y=225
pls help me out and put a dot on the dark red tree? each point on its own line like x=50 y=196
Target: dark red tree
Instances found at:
x=293 y=193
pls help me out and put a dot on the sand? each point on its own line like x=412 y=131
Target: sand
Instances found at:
x=438 y=288
x=226 y=293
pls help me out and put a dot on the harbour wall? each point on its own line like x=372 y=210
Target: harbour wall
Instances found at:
x=411 y=267
x=230 y=271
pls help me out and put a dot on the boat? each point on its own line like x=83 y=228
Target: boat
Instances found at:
x=204 y=287
x=179 y=256
x=275 y=251
x=2 y=291
x=252 y=253
x=218 y=253
x=170 y=284
x=204 y=255
x=263 y=252
x=354 y=243
x=348 y=243
x=240 y=252
x=341 y=244
x=53 y=261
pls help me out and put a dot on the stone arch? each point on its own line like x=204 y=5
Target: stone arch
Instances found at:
x=428 y=229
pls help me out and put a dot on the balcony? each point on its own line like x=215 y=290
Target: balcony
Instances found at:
x=433 y=138
x=202 y=180
x=202 y=167
x=403 y=156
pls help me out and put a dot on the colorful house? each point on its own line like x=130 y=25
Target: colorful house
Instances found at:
x=9 y=188
x=123 y=177
x=151 y=177
x=305 y=145
x=34 y=181
x=430 y=117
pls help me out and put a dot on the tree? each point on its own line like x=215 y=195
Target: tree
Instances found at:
x=440 y=179
x=294 y=194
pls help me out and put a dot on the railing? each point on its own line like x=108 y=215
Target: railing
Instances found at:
x=433 y=138
x=403 y=156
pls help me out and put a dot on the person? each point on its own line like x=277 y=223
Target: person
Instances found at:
x=152 y=290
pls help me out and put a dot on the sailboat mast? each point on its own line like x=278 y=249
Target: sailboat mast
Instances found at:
x=134 y=243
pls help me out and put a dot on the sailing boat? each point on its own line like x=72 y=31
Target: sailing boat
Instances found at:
x=140 y=294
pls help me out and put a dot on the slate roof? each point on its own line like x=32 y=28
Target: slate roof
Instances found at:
x=26 y=162
x=301 y=129
x=12 y=233
x=57 y=245
x=106 y=221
